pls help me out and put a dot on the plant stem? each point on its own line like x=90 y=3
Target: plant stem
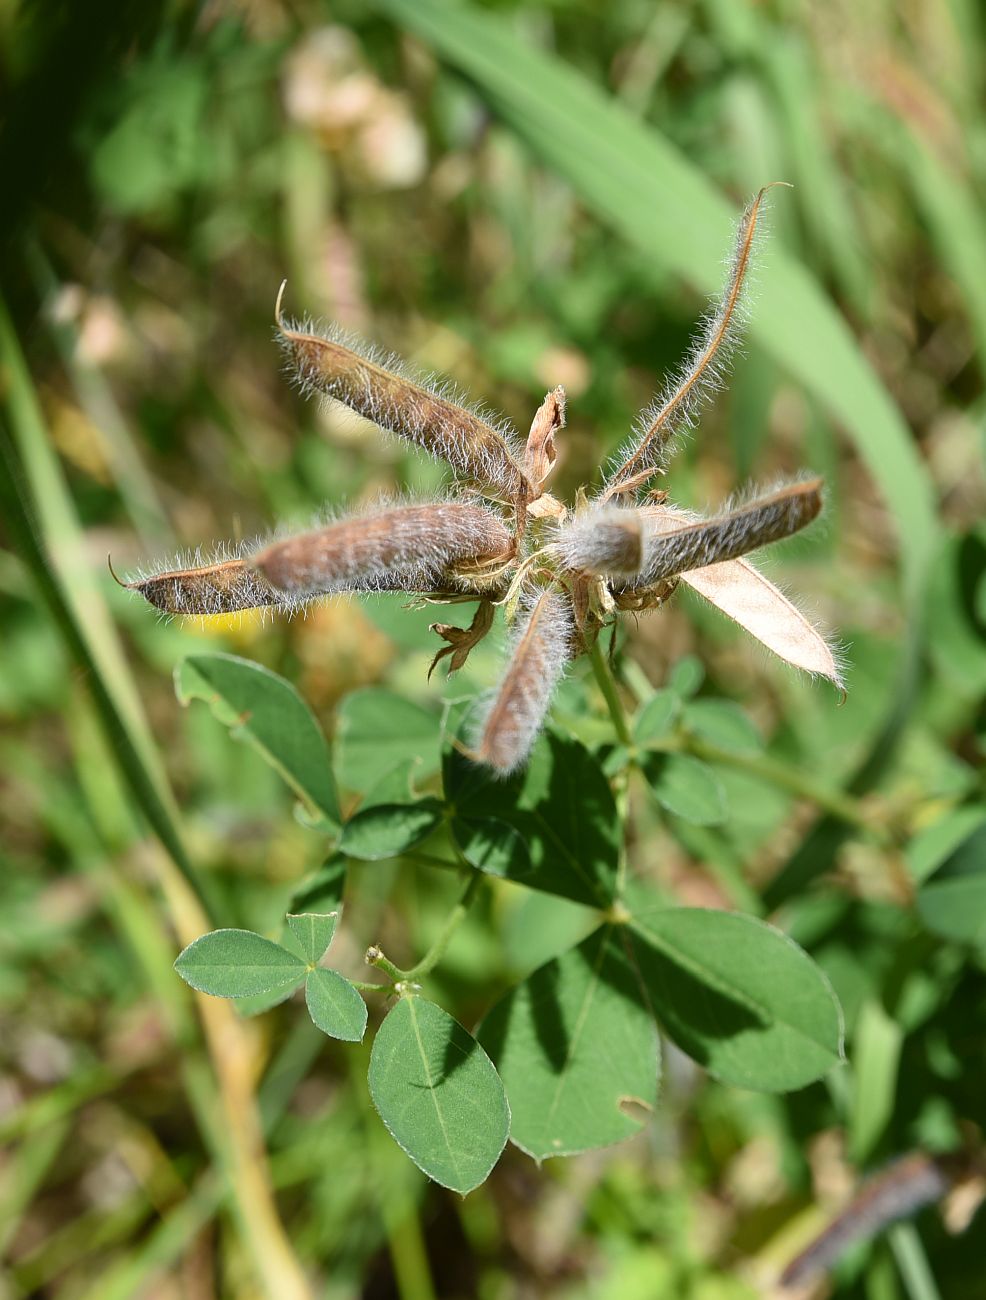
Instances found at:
x=835 y=802
x=621 y=783
x=606 y=683
x=437 y=950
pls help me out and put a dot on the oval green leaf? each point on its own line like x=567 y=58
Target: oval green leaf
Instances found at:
x=724 y=724
x=657 y=716
x=335 y=1005
x=492 y=845
x=577 y=1049
x=377 y=731
x=561 y=807
x=953 y=902
x=269 y=714
x=387 y=830
x=314 y=931
x=238 y=964
x=686 y=787
x=438 y=1094
x=739 y=997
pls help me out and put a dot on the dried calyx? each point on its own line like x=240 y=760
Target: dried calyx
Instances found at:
x=560 y=577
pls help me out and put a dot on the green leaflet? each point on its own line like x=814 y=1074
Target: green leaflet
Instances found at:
x=739 y=996
x=438 y=1094
x=314 y=931
x=267 y=712
x=686 y=787
x=238 y=964
x=565 y=829
x=335 y=1005
x=577 y=1049
x=377 y=731
x=388 y=830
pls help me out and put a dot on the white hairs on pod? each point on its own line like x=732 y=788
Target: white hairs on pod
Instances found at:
x=678 y=541
x=701 y=376
x=605 y=540
x=430 y=413
x=743 y=593
x=395 y=547
x=400 y=548
x=543 y=642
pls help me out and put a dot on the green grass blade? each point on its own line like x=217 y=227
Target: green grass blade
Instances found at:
x=32 y=488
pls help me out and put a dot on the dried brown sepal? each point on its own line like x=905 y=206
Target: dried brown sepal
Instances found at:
x=743 y=594
x=543 y=644
x=540 y=453
x=378 y=388
x=701 y=376
x=222 y=588
x=462 y=640
x=435 y=546
x=679 y=542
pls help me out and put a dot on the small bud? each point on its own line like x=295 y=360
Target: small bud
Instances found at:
x=543 y=644
x=606 y=540
x=379 y=389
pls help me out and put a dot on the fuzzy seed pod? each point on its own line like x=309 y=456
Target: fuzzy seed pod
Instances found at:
x=440 y=545
x=430 y=547
x=380 y=389
x=542 y=645
x=700 y=378
x=680 y=542
x=221 y=588
x=606 y=540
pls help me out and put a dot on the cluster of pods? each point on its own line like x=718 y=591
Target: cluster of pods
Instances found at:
x=499 y=538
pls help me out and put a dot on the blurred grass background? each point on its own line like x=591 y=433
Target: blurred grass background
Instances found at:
x=517 y=194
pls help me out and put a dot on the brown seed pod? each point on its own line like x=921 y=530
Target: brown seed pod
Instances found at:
x=221 y=588
x=380 y=389
x=606 y=540
x=679 y=542
x=434 y=546
x=543 y=644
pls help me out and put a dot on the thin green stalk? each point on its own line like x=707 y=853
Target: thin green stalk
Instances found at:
x=794 y=780
x=912 y=1262
x=621 y=786
x=606 y=683
x=437 y=950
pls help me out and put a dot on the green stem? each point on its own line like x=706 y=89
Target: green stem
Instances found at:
x=835 y=802
x=607 y=684
x=621 y=784
x=437 y=950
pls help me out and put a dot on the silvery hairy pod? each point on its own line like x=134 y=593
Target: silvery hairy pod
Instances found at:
x=438 y=545
x=543 y=642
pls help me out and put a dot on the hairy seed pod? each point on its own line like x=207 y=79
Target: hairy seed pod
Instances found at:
x=896 y=1192
x=438 y=545
x=607 y=540
x=222 y=588
x=701 y=376
x=380 y=389
x=680 y=542
x=542 y=645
